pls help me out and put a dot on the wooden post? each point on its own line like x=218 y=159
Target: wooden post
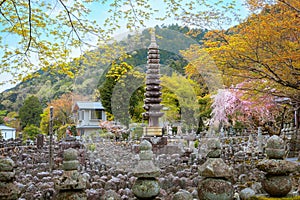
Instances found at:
x=297 y=120
x=51 y=140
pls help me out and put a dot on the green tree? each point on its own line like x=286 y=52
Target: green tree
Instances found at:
x=2 y=115
x=30 y=112
x=127 y=98
x=180 y=97
x=185 y=100
x=31 y=131
x=13 y=120
x=205 y=102
x=61 y=131
x=122 y=92
x=45 y=118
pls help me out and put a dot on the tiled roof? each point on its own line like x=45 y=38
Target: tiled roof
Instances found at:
x=3 y=127
x=89 y=105
x=88 y=126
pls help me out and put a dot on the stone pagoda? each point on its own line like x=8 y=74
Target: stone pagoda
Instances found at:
x=72 y=184
x=152 y=96
x=146 y=186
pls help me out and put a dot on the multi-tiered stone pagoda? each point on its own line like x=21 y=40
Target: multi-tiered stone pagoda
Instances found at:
x=152 y=96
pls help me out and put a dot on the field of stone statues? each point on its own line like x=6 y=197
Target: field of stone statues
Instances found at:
x=173 y=167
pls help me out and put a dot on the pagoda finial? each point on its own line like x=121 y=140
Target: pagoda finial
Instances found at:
x=153 y=39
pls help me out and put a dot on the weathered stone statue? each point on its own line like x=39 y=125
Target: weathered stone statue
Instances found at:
x=216 y=175
x=40 y=141
x=8 y=190
x=72 y=184
x=146 y=186
x=152 y=101
x=277 y=182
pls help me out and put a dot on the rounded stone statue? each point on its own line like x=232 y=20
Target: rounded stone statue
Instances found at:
x=277 y=182
x=8 y=190
x=72 y=184
x=215 y=184
x=146 y=186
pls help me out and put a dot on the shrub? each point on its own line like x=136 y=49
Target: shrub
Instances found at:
x=31 y=131
x=107 y=135
x=61 y=133
x=92 y=147
x=196 y=144
x=137 y=132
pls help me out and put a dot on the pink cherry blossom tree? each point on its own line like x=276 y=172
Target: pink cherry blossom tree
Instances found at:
x=234 y=105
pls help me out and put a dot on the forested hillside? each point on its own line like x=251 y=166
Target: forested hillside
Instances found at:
x=49 y=85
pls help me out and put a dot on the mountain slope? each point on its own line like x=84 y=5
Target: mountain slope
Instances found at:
x=51 y=85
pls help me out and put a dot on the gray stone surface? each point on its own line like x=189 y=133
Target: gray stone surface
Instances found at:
x=110 y=167
x=275 y=147
x=72 y=184
x=6 y=165
x=247 y=193
x=70 y=165
x=277 y=167
x=215 y=168
x=277 y=186
x=213 y=189
x=146 y=188
x=8 y=190
x=70 y=154
x=6 y=176
x=211 y=147
x=145 y=167
x=215 y=173
x=183 y=195
x=275 y=153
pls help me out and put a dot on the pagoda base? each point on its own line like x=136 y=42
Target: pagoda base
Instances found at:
x=152 y=131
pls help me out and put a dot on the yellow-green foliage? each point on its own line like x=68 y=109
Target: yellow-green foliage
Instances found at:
x=92 y=147
x=61 y=133
x=196 y=144
x=137 y=132
x=273 y=198
x=107 y=135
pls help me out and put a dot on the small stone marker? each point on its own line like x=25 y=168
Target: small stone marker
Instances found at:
x=216 y=173
x=146 y=186
x=40 y=141
x=72 y=184
x=8 y=190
